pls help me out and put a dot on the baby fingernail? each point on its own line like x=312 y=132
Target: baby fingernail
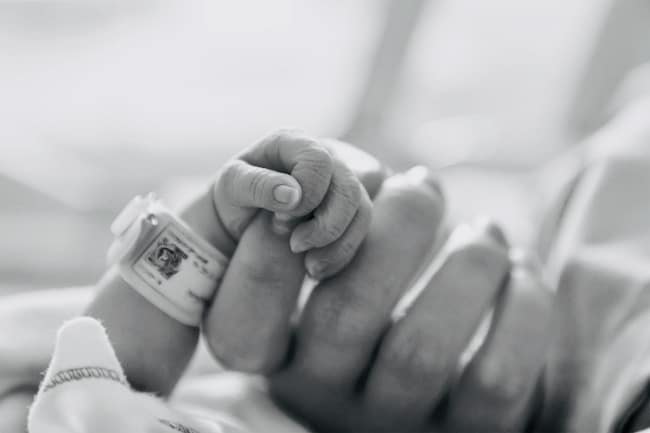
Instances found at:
x=282 y=224
x=286 y=194
x=315 y=269
x=298 y=245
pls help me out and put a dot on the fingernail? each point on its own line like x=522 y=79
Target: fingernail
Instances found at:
x=286 y=194
x=487 y=225
x=298 y=245
x=422 y=175
x=282 y=224
x=316 y=269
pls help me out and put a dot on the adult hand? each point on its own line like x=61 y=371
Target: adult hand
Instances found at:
x=350 y=366
x=368 y=373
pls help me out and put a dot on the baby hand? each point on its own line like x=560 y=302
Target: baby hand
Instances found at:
x=314 y=196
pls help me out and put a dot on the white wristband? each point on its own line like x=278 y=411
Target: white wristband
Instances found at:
x=165 y=261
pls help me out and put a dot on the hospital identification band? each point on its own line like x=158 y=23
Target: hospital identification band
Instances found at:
x=164 y=260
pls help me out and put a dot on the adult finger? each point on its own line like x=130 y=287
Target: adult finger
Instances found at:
x=346 y=314
x=421 y=351
x=248 y=325
x=333 y=215
x=495 y=391
x=324 y=262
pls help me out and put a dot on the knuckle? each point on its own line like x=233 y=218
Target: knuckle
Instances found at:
x=499 y=381
x=413 y=356
x=317 y=160
x=317 y=153
x=308 y=203
x=240 y=359
x=338 y=319
x=259 y=275
x=265 y=273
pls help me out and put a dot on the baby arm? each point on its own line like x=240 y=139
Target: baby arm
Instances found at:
x=289 y=174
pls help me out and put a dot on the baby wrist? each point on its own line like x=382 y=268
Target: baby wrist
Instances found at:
x=164 y=260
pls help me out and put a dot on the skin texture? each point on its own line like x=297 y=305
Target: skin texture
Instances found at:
x=449 y=309
x=350 y=365
x=313 y=181
x=344 y=317
x=248 y=325
x=498 y=385
x=142 y=335
x=412 y=381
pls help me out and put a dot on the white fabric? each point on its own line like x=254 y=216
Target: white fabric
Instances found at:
x=207 y=399
x=85 y=390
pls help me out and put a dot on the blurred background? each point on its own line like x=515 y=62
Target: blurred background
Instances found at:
x=103 y=99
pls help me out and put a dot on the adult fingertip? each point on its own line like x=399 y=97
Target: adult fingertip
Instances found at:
x=422 y=175
x=492 y=229
x=282 y=224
